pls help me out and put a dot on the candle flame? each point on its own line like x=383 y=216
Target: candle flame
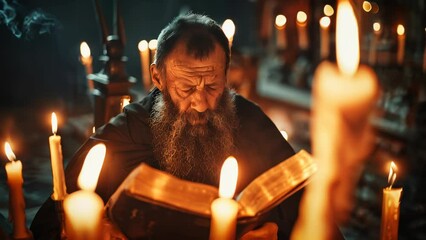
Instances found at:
x=54 y=123
x=328 y=10
x=301 y=17
x=125 y=100
x=153 y=44
x=228 y=28
x=347 y=40
x=84 y=50
x=9 y=153
x=143 y=45
x=280 y=21
x=376 y=26
x=228 y=178
x=284 y=134
x=325 y=22
x=400 y=30
x=88 y=178
x=392 y=174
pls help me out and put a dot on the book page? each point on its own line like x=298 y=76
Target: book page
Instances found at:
x=153 y=184
x=276 y=184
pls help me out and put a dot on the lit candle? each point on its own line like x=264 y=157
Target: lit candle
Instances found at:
x=224 y=209
x=86 y=59
x=84 y=208
x=152 y=45
x=280 y=34
x=373 y=45
x=56 y=160
x=228 y=28
x=125 y=100
x=145 y=62
x=325 y=38
x=390 y=207
x=343 y=97
x=16 y=195
x=302 y=20
x=401 y=44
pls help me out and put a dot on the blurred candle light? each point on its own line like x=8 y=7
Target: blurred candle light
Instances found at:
x=390 y=207
x=224 y=209
x=302 y=20
x=145 y=62
x=324 y=37
x=152 y=45
x=84 y=208
x=86 y=59
x=328 y=10
x=366 y=5
x=343 y=97
x=228 y=28
x=372 y=57
x=56 y=160
x=280 y=34
x=16 y=195
x=401 y=44
x=125 y=100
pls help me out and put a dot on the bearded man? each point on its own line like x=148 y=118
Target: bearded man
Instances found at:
x=187 y=126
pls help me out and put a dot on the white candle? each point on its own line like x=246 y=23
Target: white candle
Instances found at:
x=228 y=28
x=16 y=195
x=56 y=160
x=224 y=209
x=280 y=34
x=373 y=45
x=390 y=208
x=343 y=97
x=86 y=59
x=84 y=208
x=145 y=62
x=324 y=37
x=301 y=20
x=401 y=44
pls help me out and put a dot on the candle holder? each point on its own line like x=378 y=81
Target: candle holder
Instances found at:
x=112 y=82
x=61 y=217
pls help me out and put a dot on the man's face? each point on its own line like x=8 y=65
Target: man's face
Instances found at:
x=194 y=85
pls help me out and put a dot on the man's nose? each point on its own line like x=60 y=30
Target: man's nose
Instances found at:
x=199 y=100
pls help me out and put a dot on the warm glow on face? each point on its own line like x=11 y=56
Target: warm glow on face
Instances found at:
x=143 y=45
x=152 y=44
x=84 y=50
x=301 y=17
x=325 y=22
x=376 y=26
x=228 y=28
x=347 y=42
x=54 y=123
x=9 y=153
x=400 y=29
x=392 y=174
x=328 y=10
x=228 y=178
x=280 y=21
x=92 y=165
x=366 y=5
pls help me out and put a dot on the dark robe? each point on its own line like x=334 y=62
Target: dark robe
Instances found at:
x=128 y=138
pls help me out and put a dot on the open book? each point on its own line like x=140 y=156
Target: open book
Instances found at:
x=156 y=205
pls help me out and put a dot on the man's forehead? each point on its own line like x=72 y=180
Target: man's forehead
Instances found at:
x=191 y=68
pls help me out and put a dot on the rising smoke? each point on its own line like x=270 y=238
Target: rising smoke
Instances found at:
x=24 y=23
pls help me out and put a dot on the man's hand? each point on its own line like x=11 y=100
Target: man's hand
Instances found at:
x=268 y=231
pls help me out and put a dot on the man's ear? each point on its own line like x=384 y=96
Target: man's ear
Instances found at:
x=156 y=77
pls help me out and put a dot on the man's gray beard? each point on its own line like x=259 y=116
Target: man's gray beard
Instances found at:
x=196 y=152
